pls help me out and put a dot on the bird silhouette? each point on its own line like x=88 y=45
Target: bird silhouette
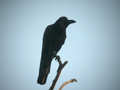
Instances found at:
x=53 y=39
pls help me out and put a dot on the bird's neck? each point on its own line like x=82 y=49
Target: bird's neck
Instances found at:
x=60 y=28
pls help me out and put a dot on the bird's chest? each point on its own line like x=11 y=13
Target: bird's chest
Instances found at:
x=60 y=37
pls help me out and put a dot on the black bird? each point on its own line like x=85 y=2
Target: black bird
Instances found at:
x=53 y=39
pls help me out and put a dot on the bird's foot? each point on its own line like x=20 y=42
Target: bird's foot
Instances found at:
x=57 y=57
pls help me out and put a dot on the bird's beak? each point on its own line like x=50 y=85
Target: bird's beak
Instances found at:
x=71 y=21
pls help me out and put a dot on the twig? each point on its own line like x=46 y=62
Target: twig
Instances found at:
x=67 y=82
x=61 y=66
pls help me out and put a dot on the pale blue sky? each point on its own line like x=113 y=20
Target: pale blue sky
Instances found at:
x=92 y=46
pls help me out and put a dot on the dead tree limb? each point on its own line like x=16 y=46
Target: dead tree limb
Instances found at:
x=67 y=82
x=61 y=66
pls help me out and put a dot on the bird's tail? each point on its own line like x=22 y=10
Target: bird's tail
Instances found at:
x=43 y=72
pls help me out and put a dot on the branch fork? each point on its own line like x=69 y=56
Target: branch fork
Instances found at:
x=60 y=68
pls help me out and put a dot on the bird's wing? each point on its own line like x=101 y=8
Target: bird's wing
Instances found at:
x=52 y=41
x=46 y=56
x=46 y=46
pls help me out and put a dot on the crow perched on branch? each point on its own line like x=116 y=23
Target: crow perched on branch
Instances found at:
x=53 y=39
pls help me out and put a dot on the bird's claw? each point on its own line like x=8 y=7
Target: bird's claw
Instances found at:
x=57 y=57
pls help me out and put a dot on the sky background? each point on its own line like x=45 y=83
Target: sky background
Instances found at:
x=92 y=47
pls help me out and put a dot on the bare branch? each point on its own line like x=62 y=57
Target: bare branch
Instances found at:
x=67 y=82
x=61 y=66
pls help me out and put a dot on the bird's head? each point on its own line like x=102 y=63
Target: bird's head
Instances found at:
x=64 y=22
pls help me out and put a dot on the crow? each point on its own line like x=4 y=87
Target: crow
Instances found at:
x=53 y=39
